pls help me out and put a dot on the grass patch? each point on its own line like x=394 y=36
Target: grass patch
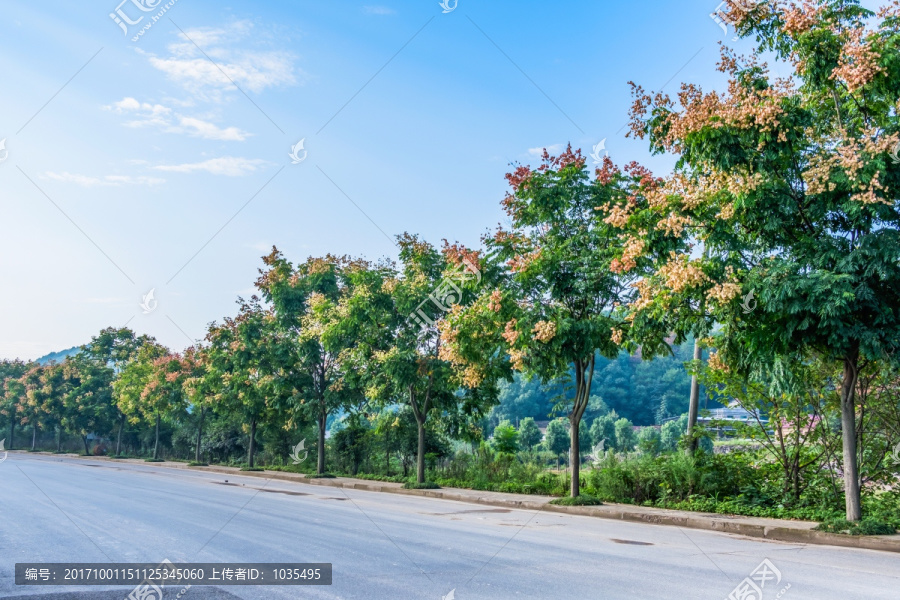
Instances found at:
x=865 y=527
x=428 y=485
x=322 y=476
x=154 y=460
x=252 y=469
x=582 y=500
x=285 y=468
x=194 y=463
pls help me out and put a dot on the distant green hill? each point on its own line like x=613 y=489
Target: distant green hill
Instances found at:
x=647 y=392
x=58 y=356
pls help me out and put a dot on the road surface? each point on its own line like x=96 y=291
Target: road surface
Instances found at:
x=385 y=546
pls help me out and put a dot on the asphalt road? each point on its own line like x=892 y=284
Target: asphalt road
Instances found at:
x=384 y=545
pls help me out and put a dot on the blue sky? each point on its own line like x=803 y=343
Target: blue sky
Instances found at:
x=121 y=180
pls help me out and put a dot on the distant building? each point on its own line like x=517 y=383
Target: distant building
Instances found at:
x=718 y=419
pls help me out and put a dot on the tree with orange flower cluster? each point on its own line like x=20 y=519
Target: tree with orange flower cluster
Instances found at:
x=248 y=355
x=312 y=303
x=792 y=186
x=405 y=361
x=151 y=387
x=41 y=407
x=559 y=276
x=200 y=386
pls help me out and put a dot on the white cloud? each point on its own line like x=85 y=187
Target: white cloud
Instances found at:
x=209 y=131
x=106 y=180
x=378 y=10
x=253 y=70
x=161 y=116
x=539 y=152
x=226 y=165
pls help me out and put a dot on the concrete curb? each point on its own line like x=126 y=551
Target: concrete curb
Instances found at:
x=773 y=529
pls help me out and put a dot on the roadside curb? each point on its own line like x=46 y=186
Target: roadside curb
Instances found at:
x=778 y=530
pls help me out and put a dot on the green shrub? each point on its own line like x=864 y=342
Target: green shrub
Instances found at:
x=582 y=500
x=867 y=526
x=428 y=485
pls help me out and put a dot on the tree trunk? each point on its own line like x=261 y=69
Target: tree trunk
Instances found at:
x=584 y=374
x=387 y=455
x=694 y=407
x=34 y=438
x=87 y=450
x=320 y=444
x=575 y=456
x=12 y=430
x=156 y=442
x=848 y=433
x=119 y=436
x=58 y=440
x=420 y=455
x=252 y=443
x=199 y=434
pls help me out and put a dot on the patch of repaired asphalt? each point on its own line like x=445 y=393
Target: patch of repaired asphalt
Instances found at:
x=631 y=542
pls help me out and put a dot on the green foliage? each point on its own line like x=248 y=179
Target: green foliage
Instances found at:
x=529 y=434
x=625 y=436
x=352 y=444
x=425 y=485
x=864 y=527
x=580 y=500
x=649 y=440
x=672 y=433
x=557 y=439
x=506 y=438
x=522 y=398
x=645 y=391
x=603 y=430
